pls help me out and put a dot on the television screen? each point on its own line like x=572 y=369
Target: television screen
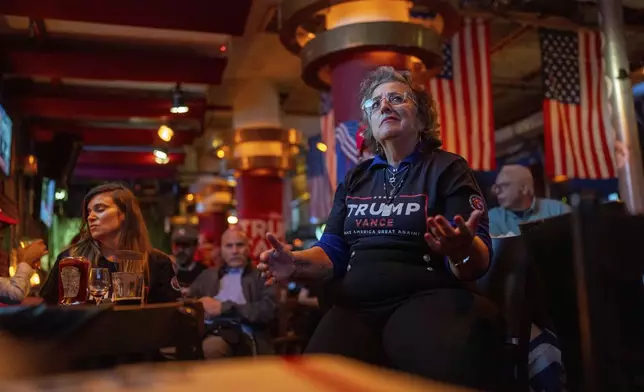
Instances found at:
x=5 y=142
x=47 y=198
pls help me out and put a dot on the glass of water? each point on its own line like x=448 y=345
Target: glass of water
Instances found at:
x=99 y=283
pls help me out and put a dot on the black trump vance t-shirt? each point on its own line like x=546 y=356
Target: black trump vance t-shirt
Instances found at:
x=376 y=239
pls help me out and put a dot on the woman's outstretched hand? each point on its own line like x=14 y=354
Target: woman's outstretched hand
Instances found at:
x=276 y=264
x=453 y=242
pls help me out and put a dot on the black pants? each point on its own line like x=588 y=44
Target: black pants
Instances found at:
x=449 y=335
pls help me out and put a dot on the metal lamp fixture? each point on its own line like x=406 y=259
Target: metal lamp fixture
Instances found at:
x=178 y=101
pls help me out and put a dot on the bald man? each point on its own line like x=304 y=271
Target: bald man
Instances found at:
x=236 y=300
x=514 y=189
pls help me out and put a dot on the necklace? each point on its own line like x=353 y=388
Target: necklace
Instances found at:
x=395 y=172
x=395 y=187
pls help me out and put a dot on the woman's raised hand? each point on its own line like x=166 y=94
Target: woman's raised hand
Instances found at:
x=276 y=264
x=452 y=241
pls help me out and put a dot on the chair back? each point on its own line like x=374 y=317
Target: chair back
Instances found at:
x=590 y=264
x=63 y=339
x=506 y=284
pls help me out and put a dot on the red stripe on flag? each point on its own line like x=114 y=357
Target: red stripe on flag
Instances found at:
x=464 y=119
x=464 y=102
x=575 y=133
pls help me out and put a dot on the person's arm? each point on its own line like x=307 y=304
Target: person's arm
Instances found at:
x=14 y=290
x=260 y=311
x=329 y=255
x=564 y=208
x=331 y=252
x=204 y=282
x=161 y=278
x=462 y=196
x=494 y=219
x=303 y=298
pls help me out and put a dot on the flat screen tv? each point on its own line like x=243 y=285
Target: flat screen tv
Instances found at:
x=47 y=198
x=6 y=127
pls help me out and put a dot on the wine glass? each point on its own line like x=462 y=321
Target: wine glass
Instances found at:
x=99 y=283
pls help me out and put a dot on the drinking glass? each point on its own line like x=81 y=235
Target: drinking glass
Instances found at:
x=99 y=283
x=128 y=281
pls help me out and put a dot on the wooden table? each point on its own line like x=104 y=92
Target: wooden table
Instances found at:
x=299 y=374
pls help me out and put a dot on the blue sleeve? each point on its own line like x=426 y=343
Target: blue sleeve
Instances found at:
x=332 y=241
x=462 y=196
x=565 y=208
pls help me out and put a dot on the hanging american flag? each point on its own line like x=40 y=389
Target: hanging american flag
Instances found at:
x=346 y=148
x=327 y=131
x=318 y=182
x=463 y=96
x=574 y=105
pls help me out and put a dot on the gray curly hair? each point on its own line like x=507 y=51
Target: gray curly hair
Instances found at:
x=429 y=135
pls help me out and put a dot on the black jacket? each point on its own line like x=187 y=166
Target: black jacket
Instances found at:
x=258 y=312
x=260 y=307
x=160 y=285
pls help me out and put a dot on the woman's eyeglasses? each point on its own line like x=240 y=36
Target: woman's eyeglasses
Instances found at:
x=394 y=99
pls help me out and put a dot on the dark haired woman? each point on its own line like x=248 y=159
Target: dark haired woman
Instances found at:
x=408 y=234
x=112 y=220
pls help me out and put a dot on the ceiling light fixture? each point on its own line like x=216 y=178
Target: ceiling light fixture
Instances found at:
x=178 y=101
x=158 y=153
x=161 y=161
x=165 y=133
x=160 y=156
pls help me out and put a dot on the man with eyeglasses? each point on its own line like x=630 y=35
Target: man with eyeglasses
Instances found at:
x=514 y=189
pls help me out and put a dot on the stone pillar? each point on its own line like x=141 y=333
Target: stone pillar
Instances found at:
x=261 y=154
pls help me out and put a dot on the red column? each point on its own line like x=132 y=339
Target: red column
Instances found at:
x=260 y=208
x=212 y=225
x=347 y=75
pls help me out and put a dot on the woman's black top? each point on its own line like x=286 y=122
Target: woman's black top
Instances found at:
x=376 y=240
x=162 y=286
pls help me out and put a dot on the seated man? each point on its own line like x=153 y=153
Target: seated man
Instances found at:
x=514 y=189
x=237 y=302
x=184 y=246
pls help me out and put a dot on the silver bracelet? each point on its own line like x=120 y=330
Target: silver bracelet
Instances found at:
x=458 y=264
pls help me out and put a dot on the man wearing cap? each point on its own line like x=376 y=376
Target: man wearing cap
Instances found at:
x=184 y=246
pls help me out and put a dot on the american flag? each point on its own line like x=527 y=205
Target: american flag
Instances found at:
x=346 y=147
x=463 y=95
x=318 y=182
x=574 y=105
x=327 y=131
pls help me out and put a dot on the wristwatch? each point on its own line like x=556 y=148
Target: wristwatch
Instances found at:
x=458 y=263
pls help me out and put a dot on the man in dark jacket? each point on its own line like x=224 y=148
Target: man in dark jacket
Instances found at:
x=236 y=300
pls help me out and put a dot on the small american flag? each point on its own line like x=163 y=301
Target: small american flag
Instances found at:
x=463 y=95
x=346 y=147
x=327 y=131
x=318 y=182
x=574 y=105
